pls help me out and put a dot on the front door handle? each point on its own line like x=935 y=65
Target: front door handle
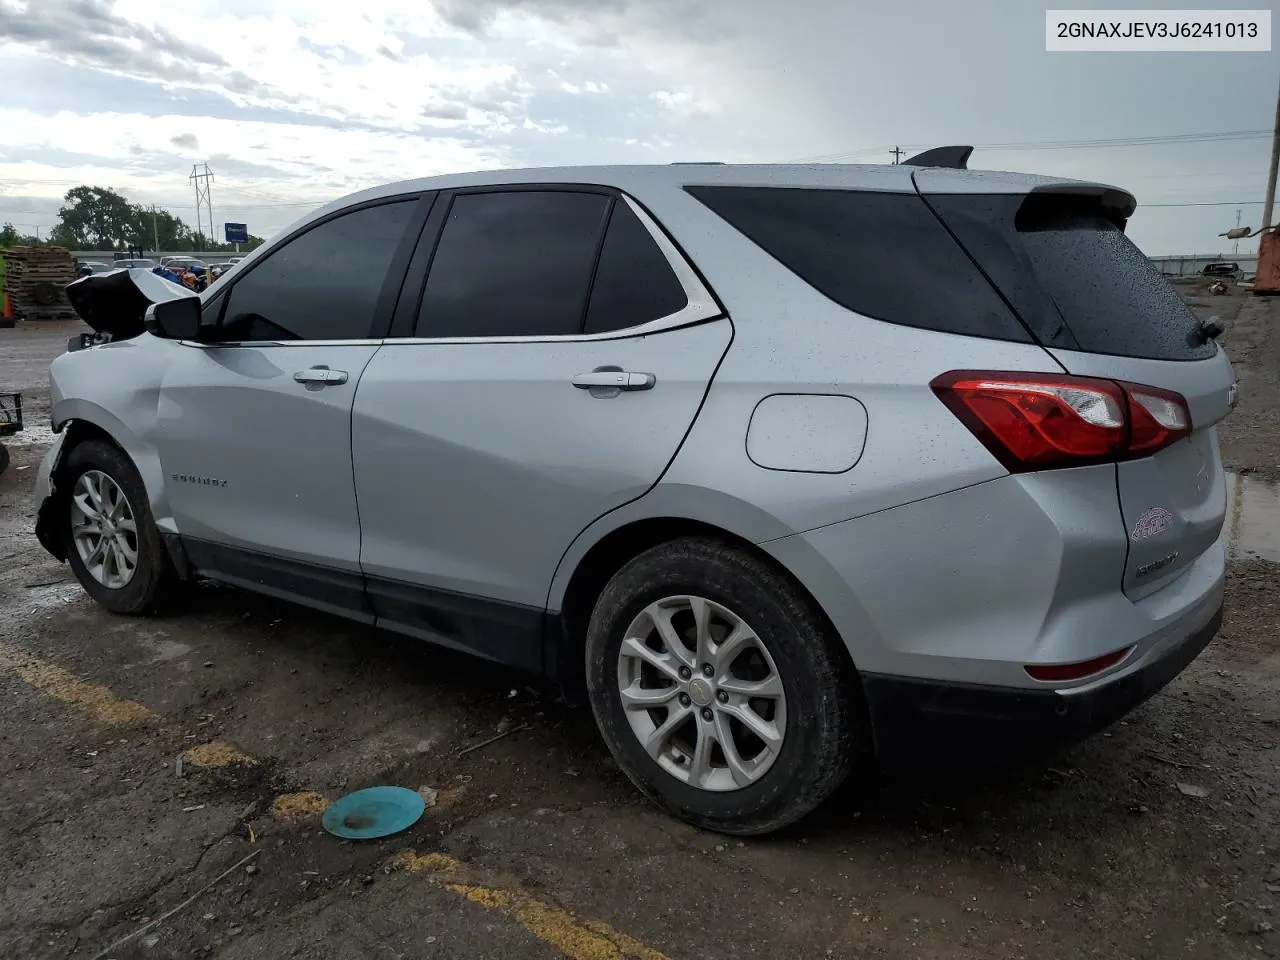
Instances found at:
x=320 y=375
x=617 y=379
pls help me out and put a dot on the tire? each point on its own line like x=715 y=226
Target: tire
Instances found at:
x=818 y=718
x=154 y=579
x=4 y=458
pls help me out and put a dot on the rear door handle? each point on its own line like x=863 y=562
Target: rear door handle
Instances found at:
x=320 y=375
x=617 y=379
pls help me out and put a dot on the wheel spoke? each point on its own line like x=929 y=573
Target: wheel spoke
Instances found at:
x=111 y=562
x=636 y=697
x=91 y=488
x=126 y=524
x=762 y=728
x=661 y=617
x=665 y=664
x=770 y=687
x=702 y=622
x=700 y=769
x=731 y=647
x=84 y=504
x=98 y=556
x=656 y=740
x=127 y=553
x=724 y=736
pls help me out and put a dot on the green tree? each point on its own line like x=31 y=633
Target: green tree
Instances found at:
x=155 y=229
x=97 y=217
x=61 y=235
x=8 y=236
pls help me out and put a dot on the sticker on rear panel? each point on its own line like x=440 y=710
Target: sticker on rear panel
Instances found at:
x=1152 y=523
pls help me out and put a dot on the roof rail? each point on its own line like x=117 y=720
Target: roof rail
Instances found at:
x=955 y=158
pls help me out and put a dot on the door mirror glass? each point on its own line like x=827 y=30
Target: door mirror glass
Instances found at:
x=175 y=319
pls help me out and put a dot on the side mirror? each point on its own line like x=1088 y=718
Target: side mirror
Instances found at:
x=177 y=319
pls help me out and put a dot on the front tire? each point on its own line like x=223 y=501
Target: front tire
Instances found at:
x=112 y=542
x=719 y=689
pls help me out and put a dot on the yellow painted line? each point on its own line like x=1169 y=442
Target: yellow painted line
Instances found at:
x=297 y=807
x=218 y=754
x=93 y=698
x=574 y=937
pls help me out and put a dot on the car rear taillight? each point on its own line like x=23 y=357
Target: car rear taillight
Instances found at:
x=1076 y=671
x=1041 y=421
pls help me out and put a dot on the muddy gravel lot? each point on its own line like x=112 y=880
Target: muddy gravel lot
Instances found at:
x=163 y=778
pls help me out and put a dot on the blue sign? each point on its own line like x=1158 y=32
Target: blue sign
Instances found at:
x=236 y=232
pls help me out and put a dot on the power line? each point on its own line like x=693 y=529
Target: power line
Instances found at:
x=1226 y=135
x=1204 y=203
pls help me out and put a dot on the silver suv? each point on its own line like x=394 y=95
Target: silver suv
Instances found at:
x=790 y=468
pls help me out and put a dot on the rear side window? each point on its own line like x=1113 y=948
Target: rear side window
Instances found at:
x=884 y=255
x=634 y=283
x=322 y=285
x=513 y=264
x=1073 y=275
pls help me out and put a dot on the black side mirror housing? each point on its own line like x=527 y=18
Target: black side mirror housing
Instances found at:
x=177 y=319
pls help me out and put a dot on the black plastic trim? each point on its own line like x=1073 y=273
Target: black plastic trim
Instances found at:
x=511 y=634
x=936 y=724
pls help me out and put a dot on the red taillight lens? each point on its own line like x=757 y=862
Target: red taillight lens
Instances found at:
x=1076 y=671
x=1042 y=421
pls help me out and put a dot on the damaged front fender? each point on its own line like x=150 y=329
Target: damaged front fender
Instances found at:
x=51 y=535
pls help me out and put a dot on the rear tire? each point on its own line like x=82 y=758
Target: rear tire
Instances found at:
x=112 y=542
x=783 y=693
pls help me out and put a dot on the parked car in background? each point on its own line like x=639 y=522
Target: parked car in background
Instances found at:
x=87 y=267
x=1222 y=269
x=787 y=468
x=134 y=264
x=216 y=270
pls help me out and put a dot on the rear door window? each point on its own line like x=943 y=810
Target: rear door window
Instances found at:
x=1073 y=275
x=513 y=264
x=884 y=255
x=634 y=282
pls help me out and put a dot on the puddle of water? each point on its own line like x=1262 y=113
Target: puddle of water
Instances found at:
x=1253 y=519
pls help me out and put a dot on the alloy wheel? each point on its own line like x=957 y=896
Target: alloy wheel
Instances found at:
x=104 y=530
x=702 y=693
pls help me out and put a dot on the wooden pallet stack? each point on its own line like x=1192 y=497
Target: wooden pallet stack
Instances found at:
x=36 y=279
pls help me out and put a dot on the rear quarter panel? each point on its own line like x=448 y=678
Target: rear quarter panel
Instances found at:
x=790 y=339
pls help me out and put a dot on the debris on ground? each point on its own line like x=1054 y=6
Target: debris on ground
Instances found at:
x=373 y=813
x=1192 y=790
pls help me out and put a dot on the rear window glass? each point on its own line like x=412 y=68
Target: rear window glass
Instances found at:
x=1073 y=276
x=884 y=255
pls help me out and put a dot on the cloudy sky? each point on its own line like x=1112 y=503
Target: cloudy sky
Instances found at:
x=295 y=102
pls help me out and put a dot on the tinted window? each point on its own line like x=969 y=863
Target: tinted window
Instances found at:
x=1074 y=276
x=323 y=285
x=513 y=264
x=634 y=283
x=884 y=255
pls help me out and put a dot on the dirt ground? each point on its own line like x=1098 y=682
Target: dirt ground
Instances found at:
x=149 y=762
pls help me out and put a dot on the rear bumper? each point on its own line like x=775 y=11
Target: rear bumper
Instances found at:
x=933 y=723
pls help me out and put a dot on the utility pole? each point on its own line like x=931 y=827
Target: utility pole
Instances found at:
x=1271 y=175
x=1235 y=248
x=155 y=229
x=202 y=178
x=897 y=153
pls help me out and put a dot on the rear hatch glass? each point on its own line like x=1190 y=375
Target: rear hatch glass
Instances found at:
x=1103 y=310
x=1065 y=265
